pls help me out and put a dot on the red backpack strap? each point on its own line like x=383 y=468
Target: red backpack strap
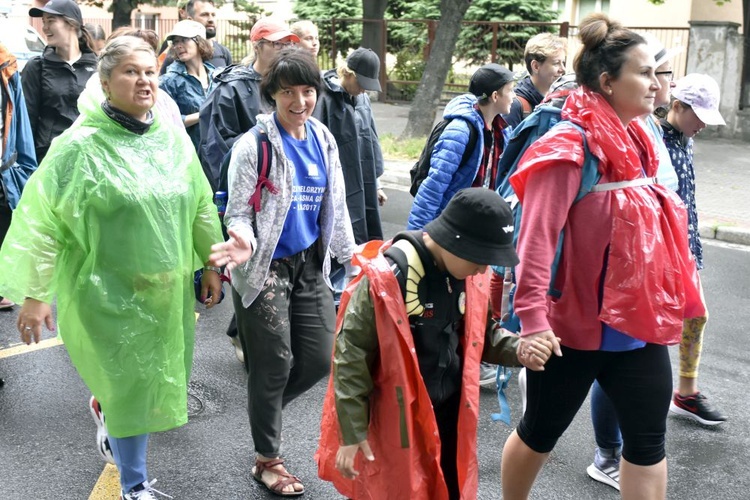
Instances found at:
x=265 y=153
x=525 y=106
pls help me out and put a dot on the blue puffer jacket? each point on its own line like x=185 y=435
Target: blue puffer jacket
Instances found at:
x=445 y=177
x=187 y=92
x=18 y=156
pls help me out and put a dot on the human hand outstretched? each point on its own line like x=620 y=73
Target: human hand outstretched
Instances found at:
x=231 y=253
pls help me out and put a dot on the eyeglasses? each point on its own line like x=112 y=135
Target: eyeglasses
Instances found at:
x=277 y=45
x=668 y=74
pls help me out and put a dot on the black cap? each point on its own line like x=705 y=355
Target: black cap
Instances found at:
x=488 y=79
x=366 y=66
x=67 y=8
x=477 y=225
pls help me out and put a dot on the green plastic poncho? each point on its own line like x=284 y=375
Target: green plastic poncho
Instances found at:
x=110 y=225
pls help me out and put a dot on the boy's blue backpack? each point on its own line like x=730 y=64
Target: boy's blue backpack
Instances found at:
x=541 y=120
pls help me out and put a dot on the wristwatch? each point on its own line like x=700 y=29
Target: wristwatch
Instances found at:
x=215 y=269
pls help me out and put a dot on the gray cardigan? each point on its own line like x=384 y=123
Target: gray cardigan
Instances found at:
x=263 y=229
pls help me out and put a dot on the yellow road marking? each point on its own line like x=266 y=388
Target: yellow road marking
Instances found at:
x=108 y=485
x=23 y=348
x=44 y=344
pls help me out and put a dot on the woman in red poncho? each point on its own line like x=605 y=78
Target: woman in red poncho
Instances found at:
x=625 y=275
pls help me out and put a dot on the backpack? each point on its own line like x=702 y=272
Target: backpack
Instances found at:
x=542 y=119
x=525 y=107
x=419 y=170
x=265 y=155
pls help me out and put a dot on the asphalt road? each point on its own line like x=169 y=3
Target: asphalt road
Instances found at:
x=47 y=436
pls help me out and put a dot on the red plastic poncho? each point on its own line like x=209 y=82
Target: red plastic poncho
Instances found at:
x=651 y=280
x=409 y=472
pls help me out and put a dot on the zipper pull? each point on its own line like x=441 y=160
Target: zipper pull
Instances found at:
x=448 y=283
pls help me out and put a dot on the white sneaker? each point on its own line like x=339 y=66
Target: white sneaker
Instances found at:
x=102 y=437
x=488 y=375
x=238 y=348
x=144 y=491
x=605 y=470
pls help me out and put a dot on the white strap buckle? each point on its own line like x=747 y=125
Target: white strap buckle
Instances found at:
x=611 y=186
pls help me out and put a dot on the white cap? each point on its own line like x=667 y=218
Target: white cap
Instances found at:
x=187 y=29
x=700 y=92
x=656 y=49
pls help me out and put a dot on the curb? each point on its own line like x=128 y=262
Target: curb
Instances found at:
x=396 y=176
x=727 y=234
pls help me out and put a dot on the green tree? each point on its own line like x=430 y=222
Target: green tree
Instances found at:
x=422 y=111
x=322 y=12
x=475 y=43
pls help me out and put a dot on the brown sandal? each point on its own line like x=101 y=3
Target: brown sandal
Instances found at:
x=285 y=479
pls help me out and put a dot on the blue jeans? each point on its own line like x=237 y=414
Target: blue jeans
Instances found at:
x=130 y=456
x=604 y=419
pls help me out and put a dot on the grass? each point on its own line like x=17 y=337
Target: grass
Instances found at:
x=396 y=149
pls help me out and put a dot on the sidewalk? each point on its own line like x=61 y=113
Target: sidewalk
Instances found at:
x=722 y=177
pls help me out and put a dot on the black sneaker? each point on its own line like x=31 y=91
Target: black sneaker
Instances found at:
x=697 y=407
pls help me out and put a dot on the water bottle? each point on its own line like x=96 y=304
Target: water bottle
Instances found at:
x=220 y=200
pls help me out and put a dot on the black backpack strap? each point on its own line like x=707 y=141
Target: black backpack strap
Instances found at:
x=408 y=255
x=473 y=135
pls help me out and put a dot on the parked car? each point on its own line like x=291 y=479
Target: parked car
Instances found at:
x=21 y=39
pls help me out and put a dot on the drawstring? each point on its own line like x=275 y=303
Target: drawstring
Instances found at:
x=263 y=182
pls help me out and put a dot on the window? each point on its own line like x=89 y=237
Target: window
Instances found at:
x=146 y=21
x=586 y=7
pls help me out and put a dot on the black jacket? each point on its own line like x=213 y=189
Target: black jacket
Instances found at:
x=229 y=111
x=349 y=118
x=51 y=87
x=525 y=89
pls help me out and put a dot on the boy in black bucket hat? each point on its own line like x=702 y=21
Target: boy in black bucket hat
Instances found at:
x=411 y=331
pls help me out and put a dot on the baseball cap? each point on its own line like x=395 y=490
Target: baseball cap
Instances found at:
x=488 y=79
x=366 y=66
x=66 y=8
x=656 y=49
x=700 y=92
x=187 y=29
x=272 y=30
x=477 y=225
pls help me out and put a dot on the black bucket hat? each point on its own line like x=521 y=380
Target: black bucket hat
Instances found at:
x=477 y=225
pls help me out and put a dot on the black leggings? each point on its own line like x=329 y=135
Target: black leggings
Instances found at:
x=638 y=382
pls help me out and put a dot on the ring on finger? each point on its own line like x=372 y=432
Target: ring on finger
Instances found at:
x=27 y=328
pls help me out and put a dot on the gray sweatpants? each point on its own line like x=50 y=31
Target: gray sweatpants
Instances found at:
x=287 y=336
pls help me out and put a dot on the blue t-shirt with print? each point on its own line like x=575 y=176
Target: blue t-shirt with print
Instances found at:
x=301 y=227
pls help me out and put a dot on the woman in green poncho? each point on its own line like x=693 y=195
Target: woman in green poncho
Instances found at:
x=110 y=225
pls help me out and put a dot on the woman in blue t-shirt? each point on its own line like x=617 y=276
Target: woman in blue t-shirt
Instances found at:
x=279 y=252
